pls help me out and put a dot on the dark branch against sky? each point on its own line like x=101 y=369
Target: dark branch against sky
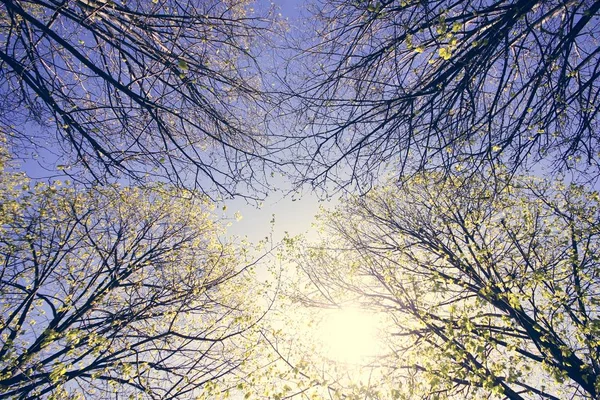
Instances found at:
x=458 y=141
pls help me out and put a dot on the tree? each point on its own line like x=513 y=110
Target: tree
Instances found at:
x=404 y=86
x=117 y=290
x=486 y=293
x=150 y=90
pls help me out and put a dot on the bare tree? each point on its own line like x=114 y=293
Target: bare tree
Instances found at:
x=486 y=293
x=119 y=290
x=164 y=89
x=406 y=86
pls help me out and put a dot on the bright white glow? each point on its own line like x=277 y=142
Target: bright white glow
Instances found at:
x=349 y=335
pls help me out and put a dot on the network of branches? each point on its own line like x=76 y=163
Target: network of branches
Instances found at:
x=486 y=293
x=166 y=90
x=115 y=292
x=437 y=119
x=400 y=86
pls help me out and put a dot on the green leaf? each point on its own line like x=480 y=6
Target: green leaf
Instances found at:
x=183 y=65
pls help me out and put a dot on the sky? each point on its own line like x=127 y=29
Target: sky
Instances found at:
x=281 y=212
x=292 y=214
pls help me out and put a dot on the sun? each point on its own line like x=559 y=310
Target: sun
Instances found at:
x=349 y=335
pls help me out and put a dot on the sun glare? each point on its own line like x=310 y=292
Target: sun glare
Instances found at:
x=349 y=335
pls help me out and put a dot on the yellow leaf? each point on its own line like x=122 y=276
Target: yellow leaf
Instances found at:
x=445 y=53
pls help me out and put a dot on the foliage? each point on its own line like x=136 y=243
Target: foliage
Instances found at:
x=488 y=280
x=117 y=290
x=152 y=90
x=487 y=293
x=403 y=86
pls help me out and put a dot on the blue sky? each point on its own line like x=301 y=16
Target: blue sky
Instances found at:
x=293 y=213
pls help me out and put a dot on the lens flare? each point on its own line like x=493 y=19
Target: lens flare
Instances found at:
x=349 y=335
